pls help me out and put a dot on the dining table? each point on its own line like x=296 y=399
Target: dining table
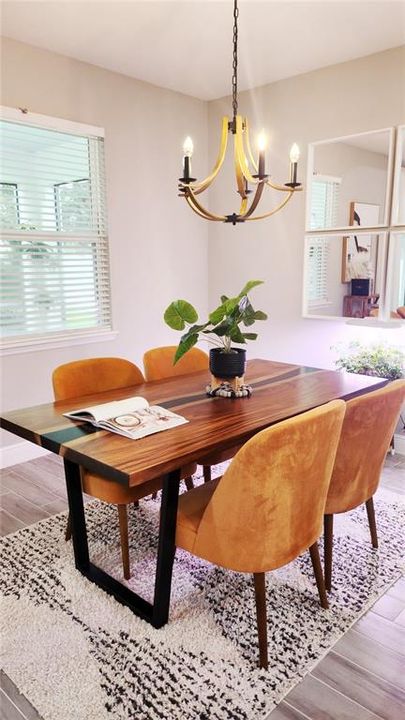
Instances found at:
x=279 y=391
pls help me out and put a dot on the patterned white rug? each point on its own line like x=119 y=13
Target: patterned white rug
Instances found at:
x=78 y=655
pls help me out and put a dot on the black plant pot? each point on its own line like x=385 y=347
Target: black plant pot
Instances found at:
x=227 y=365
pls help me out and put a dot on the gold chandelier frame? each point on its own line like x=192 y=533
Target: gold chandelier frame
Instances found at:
x=244 y=160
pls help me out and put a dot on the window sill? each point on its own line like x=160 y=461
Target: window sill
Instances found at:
x=26 y=345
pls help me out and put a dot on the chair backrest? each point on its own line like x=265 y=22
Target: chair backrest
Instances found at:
x=268 y=506
x=401 y=311
x=158 y=362
x=368 y=427
x=85 y=377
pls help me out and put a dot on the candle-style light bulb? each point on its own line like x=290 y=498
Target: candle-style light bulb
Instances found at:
x=294 y=153
x=294 y=157
x=261 y=144
x=262 y=141
x=188 y=148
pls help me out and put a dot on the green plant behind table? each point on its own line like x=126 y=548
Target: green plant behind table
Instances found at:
x=379 y=360
x=224 y=326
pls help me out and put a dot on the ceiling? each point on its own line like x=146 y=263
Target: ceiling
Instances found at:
x=186 y=45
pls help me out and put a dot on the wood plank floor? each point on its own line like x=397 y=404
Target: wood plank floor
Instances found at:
x=361 y=678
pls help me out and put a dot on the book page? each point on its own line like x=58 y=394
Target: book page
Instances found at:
x=95 y=413
x=144 y=422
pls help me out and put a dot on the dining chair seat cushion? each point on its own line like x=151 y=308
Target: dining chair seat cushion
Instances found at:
x=192 y=506
x=113 y=492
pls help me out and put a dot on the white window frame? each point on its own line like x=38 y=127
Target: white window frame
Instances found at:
x=13 y=345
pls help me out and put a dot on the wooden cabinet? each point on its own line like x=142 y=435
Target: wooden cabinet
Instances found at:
x=359 y=306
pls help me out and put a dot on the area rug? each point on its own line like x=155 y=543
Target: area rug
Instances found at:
x=77 y=654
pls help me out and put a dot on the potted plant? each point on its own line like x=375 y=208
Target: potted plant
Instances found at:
x=378 y=359
x=224 y=327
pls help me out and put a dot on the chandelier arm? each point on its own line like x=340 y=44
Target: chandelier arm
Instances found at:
x=248 y=146
x=200 y=209
x=204 y=184
x=240 y=178
x=243 y=206
x=282 y=188
x=240 y=152
x=255 y=201
x=276 y=209
x=194 y=209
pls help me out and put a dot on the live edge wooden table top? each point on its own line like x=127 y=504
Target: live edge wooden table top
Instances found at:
x=279 y=391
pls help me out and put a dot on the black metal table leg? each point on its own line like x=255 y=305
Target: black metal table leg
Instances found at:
x=166 y=548
x=77 y=517
x=157 y=613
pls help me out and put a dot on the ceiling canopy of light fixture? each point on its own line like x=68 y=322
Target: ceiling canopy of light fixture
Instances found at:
x=248 y=171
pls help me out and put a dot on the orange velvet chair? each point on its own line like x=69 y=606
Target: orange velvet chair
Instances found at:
x=268 y=507
x=158 y=364
x=87 y=377
x=368 y=427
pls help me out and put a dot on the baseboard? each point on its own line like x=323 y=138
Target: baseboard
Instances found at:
x=20 y=452
x=399 y=443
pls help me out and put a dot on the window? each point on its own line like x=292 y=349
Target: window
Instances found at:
x=53 y=246
x=9 y=214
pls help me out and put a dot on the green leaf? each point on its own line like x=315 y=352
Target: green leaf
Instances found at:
x=179 y=313
x=193 y=330
x=250 y=336
x=231 y=304
x=236 y=335
x=260 y=315
x=216 y=316
x=249 y=286
x=223 y=328
x=183 y=347
x=224 y=298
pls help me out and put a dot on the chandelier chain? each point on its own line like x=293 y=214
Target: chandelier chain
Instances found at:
x=235 y=60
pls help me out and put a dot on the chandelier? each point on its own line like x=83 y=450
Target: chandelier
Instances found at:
x=248 y=170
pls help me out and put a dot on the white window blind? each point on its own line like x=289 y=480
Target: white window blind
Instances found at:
x=53 y=247
x=325 y=195
x=317 y=285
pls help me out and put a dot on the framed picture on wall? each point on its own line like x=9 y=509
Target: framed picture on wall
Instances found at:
x=359 y=252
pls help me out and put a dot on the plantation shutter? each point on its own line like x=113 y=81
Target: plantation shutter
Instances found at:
x=318 y=255
x=325 y=194
x=53 y=247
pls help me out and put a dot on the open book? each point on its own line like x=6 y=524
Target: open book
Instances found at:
x=133 y=417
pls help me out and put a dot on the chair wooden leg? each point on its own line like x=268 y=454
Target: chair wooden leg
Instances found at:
x=328 y=549
x=316 y=564
x=189 y=482
x=123 y=521
x=371 y=522
x=68 y=531
x=207 y=473
x=261 y=615
x=136 y=504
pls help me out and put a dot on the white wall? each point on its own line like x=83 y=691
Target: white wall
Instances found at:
x=158 y=247
x=364 y=94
